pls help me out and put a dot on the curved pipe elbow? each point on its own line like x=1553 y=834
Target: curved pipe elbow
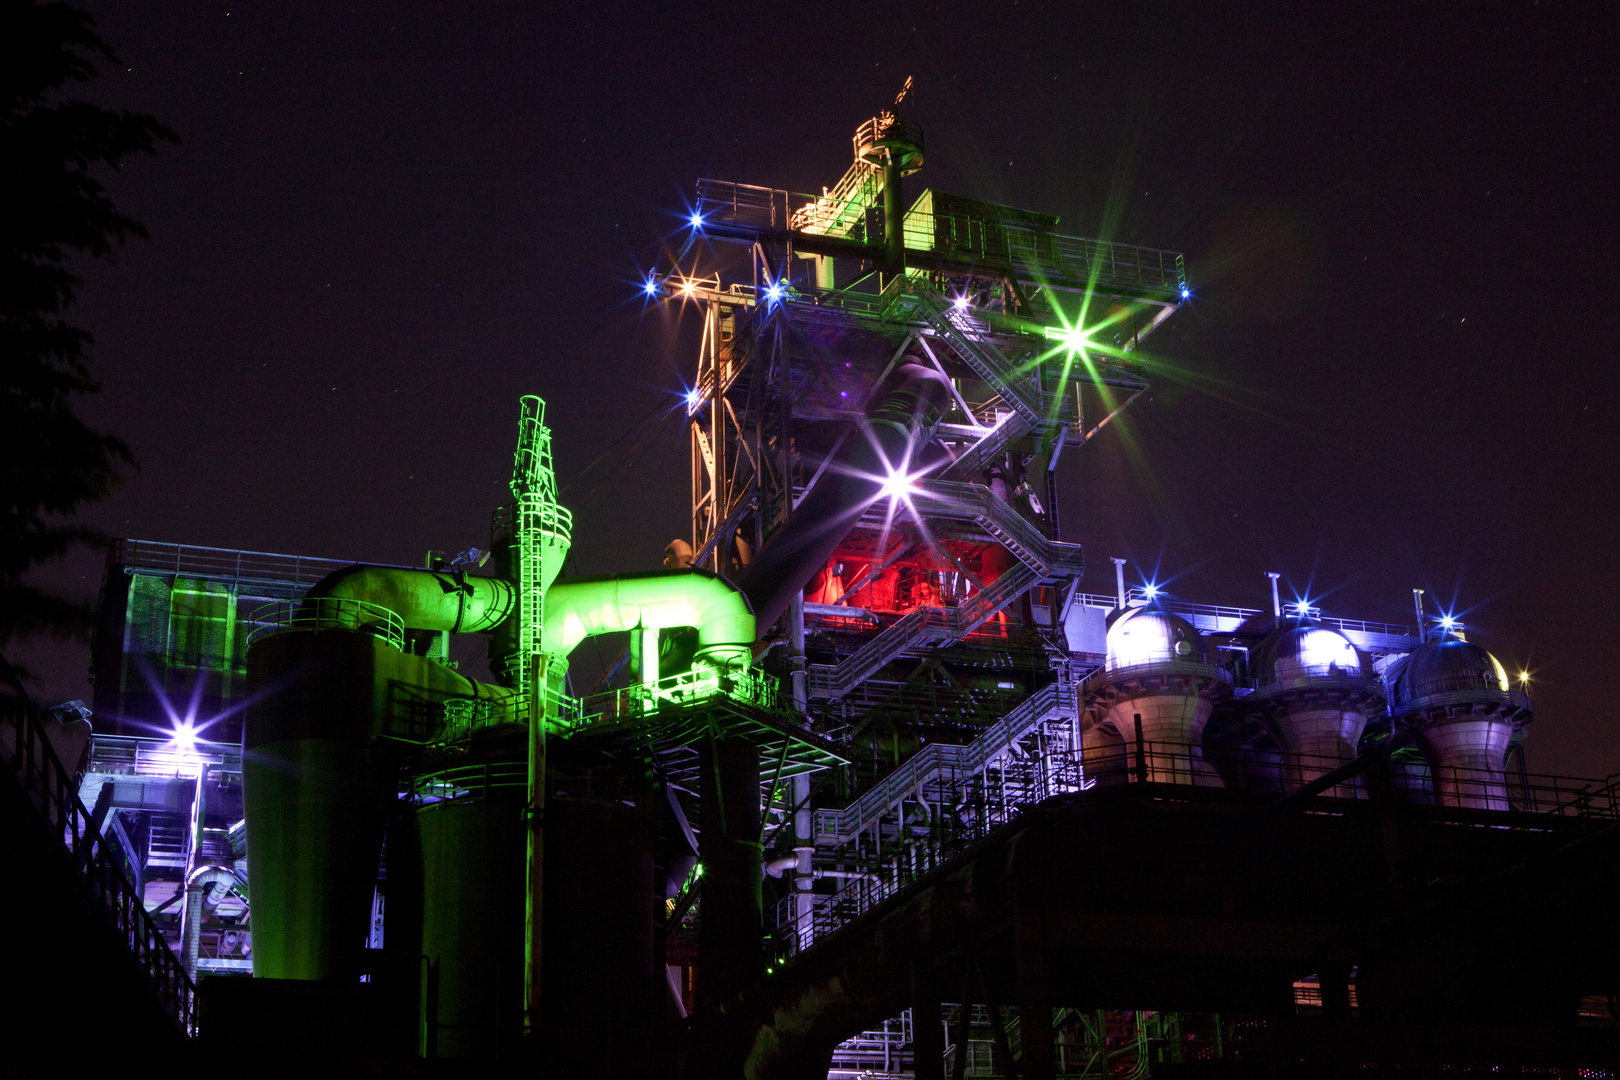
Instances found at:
x=424 y=599
x=585 y=607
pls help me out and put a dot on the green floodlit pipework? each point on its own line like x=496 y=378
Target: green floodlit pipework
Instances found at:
x=585 y=607
x=425 y=599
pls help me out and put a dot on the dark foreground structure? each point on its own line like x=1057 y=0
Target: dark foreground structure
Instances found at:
x=873 y=788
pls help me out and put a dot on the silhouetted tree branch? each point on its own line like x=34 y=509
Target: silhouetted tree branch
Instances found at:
x=52 y=207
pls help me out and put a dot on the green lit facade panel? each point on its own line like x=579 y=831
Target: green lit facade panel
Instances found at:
x=173 y=646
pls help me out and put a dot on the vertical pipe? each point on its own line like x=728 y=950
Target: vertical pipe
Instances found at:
x=1141 y=751
x=804 y=881
x=801 y=687
x=649 y=654
x=894 y=238
x=1276 y=601
x=534 y=896
x=1417 y=604
x=191 y=902
x=1119 y=579
x=191 y=930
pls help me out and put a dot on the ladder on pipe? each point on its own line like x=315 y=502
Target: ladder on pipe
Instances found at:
x=534 y=489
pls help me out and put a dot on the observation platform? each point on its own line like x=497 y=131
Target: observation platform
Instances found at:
x=673 y=717
x=945 y=234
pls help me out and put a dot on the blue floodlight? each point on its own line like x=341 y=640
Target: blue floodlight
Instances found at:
x=696 y=219
x=184 y=737
x=1150 y=590
x=1185 y=292
x=651 y=287
x=773 y=292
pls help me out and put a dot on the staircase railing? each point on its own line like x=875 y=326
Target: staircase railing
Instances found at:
x=52 y=797
x=987 y=361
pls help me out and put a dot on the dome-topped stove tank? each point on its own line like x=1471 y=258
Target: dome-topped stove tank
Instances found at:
x=1317 y=689
x=1157 y=688
x=1455 y=698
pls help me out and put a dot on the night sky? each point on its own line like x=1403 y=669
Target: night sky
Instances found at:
x=383 y=225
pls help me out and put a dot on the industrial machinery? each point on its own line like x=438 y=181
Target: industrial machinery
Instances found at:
x=874 y=788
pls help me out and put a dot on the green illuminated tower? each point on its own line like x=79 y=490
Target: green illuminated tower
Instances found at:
x=540 y=537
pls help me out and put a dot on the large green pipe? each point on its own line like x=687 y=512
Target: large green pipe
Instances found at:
x=424 y=599
x=585 y=607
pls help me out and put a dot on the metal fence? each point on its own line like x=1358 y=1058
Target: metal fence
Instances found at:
x=51 y=793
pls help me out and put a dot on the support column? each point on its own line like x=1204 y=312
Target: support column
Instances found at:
x=927 y=1032
x=1034 y=1006
x=804 y=847
x=894 y=241
x=732 y=924
x=191 y=903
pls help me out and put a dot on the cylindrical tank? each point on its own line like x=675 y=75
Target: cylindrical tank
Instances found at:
x=1157 y=688
x=317 y=792
x=597 y=985
x=1455 y=698
x=330 y=712
x=1318 y=689
x=1102 y=755
x=470 y=818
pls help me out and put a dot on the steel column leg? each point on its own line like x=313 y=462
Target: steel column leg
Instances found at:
x=1035 y=1009
x=927 y=1033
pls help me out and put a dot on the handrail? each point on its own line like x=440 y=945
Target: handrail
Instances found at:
x=327 y=613
x=974 y=502
x=936 y=758
x=155 y=556
x=48 y=788
x=961 y=783
x=921 y=626
x=1072 y=261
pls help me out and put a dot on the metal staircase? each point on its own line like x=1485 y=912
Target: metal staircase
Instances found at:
x=1040 y=560
x=910 y=300
x=1050 y=559
x=167 y=843
x=938 y=759
x=925 y=626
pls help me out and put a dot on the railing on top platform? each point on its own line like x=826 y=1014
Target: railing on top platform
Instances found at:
x=1038 y=253
x=926 y=813
x=258 y=566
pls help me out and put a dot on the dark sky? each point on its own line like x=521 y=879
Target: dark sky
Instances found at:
x=384 y=224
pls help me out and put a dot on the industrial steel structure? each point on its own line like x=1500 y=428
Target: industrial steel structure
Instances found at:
x=875 y=788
